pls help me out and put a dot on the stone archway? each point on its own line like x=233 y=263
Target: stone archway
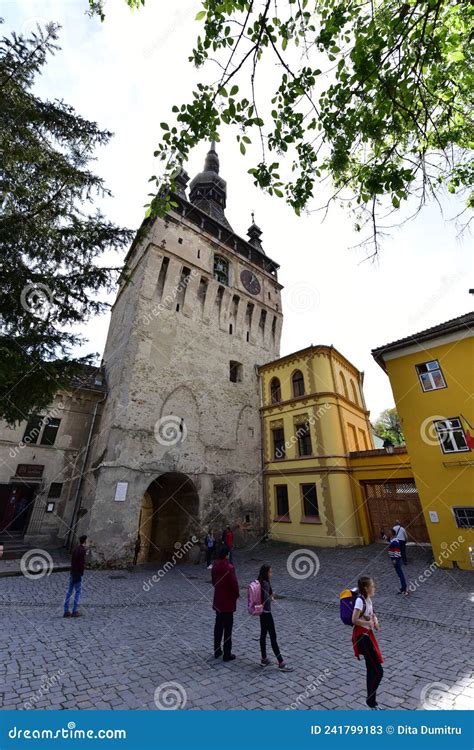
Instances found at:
x=169 y=516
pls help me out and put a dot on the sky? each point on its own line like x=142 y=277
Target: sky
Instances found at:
x=126 y=74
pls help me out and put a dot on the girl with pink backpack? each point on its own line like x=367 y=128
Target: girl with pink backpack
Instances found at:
x=264 y=610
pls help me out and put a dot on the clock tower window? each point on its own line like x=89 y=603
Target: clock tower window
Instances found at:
x=221 y=269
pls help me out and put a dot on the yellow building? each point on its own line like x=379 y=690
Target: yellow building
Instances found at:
x=431 y=374
x=313 y=416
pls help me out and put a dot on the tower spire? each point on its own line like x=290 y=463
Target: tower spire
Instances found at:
x=212 y=160
x=208 y=190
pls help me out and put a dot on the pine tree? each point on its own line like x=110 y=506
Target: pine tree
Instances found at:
x=50 y=233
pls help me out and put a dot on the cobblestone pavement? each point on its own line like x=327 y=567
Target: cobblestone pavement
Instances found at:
x=136 y=637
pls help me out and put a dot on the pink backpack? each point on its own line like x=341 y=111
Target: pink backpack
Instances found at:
x=254 y=598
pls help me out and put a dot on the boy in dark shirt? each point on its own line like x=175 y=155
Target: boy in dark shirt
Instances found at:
x=78 y=561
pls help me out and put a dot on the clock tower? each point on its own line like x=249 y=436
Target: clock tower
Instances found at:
x=179 y=444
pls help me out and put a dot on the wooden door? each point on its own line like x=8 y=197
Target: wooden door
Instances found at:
x=392 y=500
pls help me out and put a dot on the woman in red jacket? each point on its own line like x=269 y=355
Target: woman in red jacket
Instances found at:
x=364 y=641
x=226 y=593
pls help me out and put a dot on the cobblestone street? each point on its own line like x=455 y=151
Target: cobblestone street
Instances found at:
x=132 y=641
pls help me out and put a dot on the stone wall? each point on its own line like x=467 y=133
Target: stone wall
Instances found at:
x=171 y=406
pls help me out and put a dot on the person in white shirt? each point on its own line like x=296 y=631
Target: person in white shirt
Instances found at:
x=401 y=537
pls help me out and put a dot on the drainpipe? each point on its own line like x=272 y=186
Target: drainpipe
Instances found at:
x=262 y=453
x=77 y=499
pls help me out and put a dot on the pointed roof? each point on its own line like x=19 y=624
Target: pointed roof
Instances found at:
x=254 y=233
x=208 y=190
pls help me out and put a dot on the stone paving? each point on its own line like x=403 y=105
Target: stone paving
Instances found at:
x=134 y=639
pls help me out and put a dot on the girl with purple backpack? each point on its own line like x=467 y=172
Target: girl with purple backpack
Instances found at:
x=267 y=625
x=364 y=641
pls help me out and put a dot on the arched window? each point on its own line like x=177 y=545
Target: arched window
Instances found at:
x=298 y=383
x=344 y=385
x=275 y=391
x=354 y=392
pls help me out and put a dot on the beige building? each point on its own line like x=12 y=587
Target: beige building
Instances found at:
x=41 y=462
x=179 y=443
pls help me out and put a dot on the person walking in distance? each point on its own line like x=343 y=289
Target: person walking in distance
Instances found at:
x=226 y=593
x=267 y=625
x=402 y=537
x=364 y=641
x=395 y=555
x=210 y=547
x=78 y=562
x=228 y=541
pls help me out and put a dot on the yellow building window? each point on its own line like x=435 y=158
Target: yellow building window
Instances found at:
x=303 y=435
x=353 y=442
x=363 y=440
x=281 y=503
x=310 y=502
x=297 y=382
x=275 y=391
x=279 y=447
x=430 y=375
x=451 y=435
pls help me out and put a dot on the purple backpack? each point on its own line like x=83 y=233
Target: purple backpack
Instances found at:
x=347 y=600
x=254 y=598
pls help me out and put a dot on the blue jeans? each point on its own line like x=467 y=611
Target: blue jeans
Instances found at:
x=77 y=588
x=398 y=567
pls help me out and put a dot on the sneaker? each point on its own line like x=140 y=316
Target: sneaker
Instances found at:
x=67 y=614
x=265 y=662
x=76 y=614
x=217 y=653
x=405 y=593
x=284 y=668
x=231 y=657
x=209 y=567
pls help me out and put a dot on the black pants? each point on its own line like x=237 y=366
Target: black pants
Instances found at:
x=223 y=627
x=209 y=553
x=268 y=626
x=374 y=668
x=403 y=550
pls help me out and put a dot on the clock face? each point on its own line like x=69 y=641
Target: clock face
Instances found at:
x=250 y=282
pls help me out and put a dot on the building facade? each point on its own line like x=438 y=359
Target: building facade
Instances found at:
x=178 y=448
x=431 y=378
x=314 y=415
x=41 y=464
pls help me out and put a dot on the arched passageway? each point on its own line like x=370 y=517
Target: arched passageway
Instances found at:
x=169 y=516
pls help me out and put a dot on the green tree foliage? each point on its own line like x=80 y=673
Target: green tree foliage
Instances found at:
x=49 y=278
x=388 y=427
x=374 y=98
